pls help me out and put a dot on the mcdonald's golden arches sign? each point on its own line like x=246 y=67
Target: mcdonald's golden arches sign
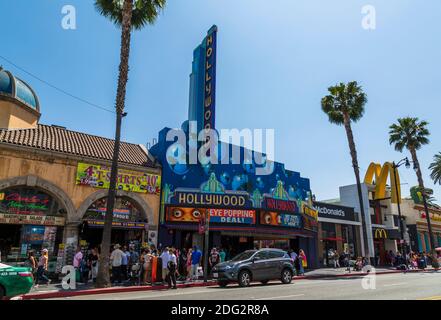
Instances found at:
x=379 y=174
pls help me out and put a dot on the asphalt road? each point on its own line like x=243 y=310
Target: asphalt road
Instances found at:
x=410 y=286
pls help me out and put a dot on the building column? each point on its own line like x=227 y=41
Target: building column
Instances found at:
x=70 y=239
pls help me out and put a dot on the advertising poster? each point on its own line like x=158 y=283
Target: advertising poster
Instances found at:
x=280 y=219
x=98 y=176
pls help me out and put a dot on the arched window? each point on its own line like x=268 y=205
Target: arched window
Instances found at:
x=125 y=210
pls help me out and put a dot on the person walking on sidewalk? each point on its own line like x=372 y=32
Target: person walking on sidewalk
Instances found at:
x=171 y=265
x=42 y=268
x=195 y=262
x=116 y=259
x=336 y=259
x=78 y=257
x=165 y=258
x=303 y=263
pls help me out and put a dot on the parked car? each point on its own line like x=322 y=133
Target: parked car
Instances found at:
x=255 y=265
x=15 y=281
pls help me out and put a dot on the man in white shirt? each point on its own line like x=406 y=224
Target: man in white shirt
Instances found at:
x=172 y=264
x=165 y=257
x=116 y=260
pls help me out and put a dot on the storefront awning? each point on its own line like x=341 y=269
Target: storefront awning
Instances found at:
x=250 y=231
x=333 y=239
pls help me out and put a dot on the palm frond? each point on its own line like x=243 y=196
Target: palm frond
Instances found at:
x=144 y=11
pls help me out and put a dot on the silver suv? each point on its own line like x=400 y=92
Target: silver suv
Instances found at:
x=255 y=265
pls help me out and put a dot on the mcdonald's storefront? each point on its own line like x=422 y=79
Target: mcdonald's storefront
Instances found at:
x=384 y=240
x=339 y=230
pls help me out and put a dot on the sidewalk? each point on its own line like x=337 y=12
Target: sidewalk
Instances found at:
x=55 y=290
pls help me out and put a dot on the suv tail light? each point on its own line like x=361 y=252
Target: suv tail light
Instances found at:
x=25 y=274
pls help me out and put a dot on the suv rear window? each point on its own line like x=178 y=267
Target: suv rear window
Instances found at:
x=275 y=254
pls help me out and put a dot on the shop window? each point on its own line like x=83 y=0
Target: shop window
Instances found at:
x=30 y=220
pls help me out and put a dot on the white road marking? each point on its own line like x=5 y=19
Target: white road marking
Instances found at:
x=395 y=284
x=281 y=297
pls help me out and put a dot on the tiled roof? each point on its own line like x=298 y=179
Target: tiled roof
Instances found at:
x=58 y=139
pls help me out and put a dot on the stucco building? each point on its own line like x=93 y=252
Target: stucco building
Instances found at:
x=53 y=179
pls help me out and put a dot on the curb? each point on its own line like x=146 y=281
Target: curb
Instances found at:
x=64 y=294
x=346 y=275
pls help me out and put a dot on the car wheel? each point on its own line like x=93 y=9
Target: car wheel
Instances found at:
x=223 y=284
x=286 y=276
x=264 y=281
x=244 y=278
x=2 y=293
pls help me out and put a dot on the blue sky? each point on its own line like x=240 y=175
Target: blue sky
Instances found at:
x=275 y=62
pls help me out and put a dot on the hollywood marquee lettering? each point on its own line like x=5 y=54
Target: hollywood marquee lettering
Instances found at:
x=282 y=205
x=209 y=199
x=210 y=79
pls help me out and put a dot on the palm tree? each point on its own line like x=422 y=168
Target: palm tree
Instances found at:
x=345 y=105
x=412 y=134
x=129 y=15
x=435 y=168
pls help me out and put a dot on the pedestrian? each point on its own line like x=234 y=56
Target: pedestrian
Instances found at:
x=84 y=269
x=42 y=267
x=165 y=257
x=116 y=260
x=222 y=255
x=32 y=262
x=78 y=257
x=189 y=254
x=93 y=262
x=148 y=259
x=303 y=263
x=195 y=262
x=336 y=259
x=171 y=266
x=125 y=263
x=183 y=256
x=214 y=259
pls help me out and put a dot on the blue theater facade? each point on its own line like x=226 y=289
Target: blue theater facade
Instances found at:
x=241 y=208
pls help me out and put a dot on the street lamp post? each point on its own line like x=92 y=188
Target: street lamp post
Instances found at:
x=400 y=218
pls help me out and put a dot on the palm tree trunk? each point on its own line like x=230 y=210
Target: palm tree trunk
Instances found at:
x=426 y=209
x=103 y=277
x=353 y=151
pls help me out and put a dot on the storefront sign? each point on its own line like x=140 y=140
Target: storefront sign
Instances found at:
x=380 y=234
x=310 y=212
x=115 y=224
x=280 y=219
x=123 y=214
x=98 y=176
x=433 y=217
x=282 y=205
x=332 y=211
x=15 y=202
x=232 y=216
x=210 y=79
x=229 y=216
x=210 y=199
x=7 y=218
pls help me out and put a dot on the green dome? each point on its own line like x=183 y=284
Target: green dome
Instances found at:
x=18 y=89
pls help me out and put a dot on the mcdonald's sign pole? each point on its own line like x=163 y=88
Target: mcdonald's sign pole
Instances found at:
x=402 y=245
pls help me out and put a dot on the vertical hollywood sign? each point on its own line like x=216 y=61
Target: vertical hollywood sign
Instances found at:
x=210 y=79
